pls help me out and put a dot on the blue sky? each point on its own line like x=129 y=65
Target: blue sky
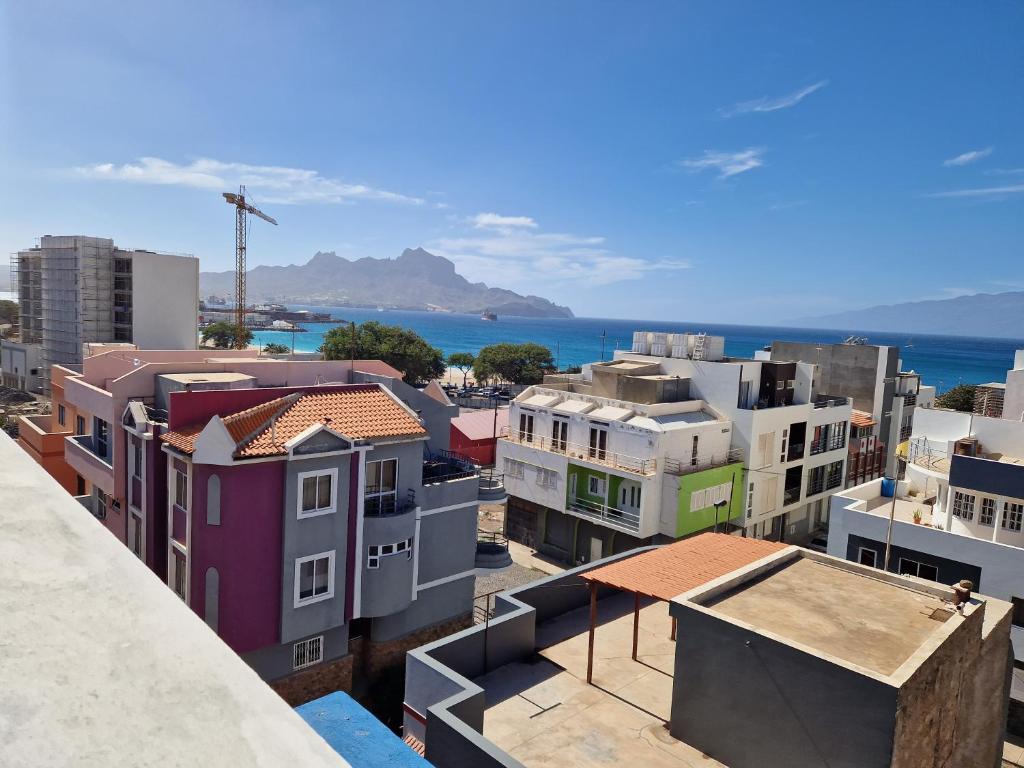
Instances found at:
x=719 y=161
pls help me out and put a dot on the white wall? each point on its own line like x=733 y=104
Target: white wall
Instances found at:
x=942 y=426
x=1013 y=398
x=165 y=300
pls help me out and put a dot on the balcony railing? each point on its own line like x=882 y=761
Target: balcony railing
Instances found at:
x=386 y=506
x=688 y=466
x=588 y=453
x=830 y=401
x=444 y=465
x=88 y=444
x=791 y=495
x=617 y=518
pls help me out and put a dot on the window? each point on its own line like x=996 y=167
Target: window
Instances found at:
x=987 y=515
x=102 y=501
x=314 y=578
x=906 y=426
x=693 y=451
x=598 y=443
x=136 y=534
x=61 y=415
x=834 y=475
x=79 y=485
x=781 y=385
x=80 y=425
x=595 y=486
x=765 y=449
x=100 y=437
x=180 y=489
x=381 y=488
x=750 y=500
x=559 y=435
x=1013 y=514
x=785 y=446
x=1018 y=611
x=515 y=469
x=136 y=458
x=308 y=652
x=318 y=494
x=526 y=427
x=921 y=570
x=816 y=480
x=867 y=557
x=708 y=497
x=546 y=478
x=180 y=576
x=963 y=505
x=837 y=435
x=374 y=552
x=819 y=439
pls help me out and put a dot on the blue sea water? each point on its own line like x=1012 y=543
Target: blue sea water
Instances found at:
x=943 y=361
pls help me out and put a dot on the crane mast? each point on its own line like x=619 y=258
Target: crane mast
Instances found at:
x=242 y=209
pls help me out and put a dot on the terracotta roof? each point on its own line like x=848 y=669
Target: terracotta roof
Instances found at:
x=361 y=413
x=415 y=744
x=676 y=568
x=479 y=424
x=861 y=419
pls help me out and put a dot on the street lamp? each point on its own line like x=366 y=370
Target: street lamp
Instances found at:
x=718 y=506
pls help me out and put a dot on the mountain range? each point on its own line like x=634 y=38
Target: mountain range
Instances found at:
x=980 y=314
x=415 y=280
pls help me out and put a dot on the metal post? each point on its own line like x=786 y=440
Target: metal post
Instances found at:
x=892 y=514
x=352 y=367
x=673 y=635
x=593 y=622
x=636 y=622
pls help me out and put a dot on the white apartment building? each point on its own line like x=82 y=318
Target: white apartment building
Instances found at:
x=74 y=290
x=687 y=428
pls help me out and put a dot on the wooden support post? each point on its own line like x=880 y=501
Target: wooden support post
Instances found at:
x=593 y=623
x=636 y=622
x=673 y=635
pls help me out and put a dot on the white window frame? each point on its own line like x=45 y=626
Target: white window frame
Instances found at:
x=381 y=495
x=179 y=475
x=860 y=557
x=317 y=473
x=374 y=552
x=61 y=414
x=963 y=505
x=988 y=505
x=917 y=569
x=1013 y=513
x=592 y=481
x=136 y=445
x=299 y=561
x=308 y=652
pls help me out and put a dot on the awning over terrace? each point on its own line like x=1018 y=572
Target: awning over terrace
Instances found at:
x=671 y=570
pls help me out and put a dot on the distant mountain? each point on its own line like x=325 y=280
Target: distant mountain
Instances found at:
x=415 y=280
x=982 y=314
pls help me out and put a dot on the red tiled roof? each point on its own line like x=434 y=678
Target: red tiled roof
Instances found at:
x=361 y=413
x=861 y=419
x=415 y=744
x=676 y=568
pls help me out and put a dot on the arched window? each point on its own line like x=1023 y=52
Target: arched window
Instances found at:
x=213 y=500
x=212 y=597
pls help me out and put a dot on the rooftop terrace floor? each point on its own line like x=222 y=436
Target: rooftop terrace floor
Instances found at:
x=543 y=713
x=843 y=613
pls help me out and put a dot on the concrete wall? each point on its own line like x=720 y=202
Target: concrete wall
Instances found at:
x=993 y=478
x=273 y=662
x=389 y=587
x=310 y=536
x=750 y=701
x=446 y=543
x=165 y=300
x=17 y=363
x=431 y=606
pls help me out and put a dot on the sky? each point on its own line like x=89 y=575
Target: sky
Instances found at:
x=744 y=162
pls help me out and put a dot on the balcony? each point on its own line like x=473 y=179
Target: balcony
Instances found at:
x=688 y=467
x=830 y=401
x=605 y=458
x=388 y=506
x=83 y=456
x=445 y=465
x=624 y=520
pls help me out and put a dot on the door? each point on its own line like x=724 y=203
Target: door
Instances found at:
x=598 y=443
x=629 y=498
x=596 y=548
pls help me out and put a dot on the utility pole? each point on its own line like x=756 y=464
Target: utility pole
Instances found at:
x=604 y=335
x=241 y=209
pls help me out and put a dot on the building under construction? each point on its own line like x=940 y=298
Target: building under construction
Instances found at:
x=74 y=290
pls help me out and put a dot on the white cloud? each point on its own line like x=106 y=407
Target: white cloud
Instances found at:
x=765 y=104
x=514 y=252
x=497 y=221
x=1004 y=172
x=968 y=157
x=981 y=191
x=273 y=184
x=726 y=163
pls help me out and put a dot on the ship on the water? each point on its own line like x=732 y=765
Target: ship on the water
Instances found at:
x=485 y=315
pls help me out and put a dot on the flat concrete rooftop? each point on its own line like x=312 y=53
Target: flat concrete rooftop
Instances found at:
x=844 y=613
x=542 y=712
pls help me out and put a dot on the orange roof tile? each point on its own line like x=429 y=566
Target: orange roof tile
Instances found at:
x=361 y=413
x=415 y=744
x=861 y=419
x=676 y=568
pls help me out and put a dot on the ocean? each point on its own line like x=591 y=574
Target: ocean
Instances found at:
x=942 y=361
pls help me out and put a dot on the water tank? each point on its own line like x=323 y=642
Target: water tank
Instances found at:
x=641 y=343
x=659 y=349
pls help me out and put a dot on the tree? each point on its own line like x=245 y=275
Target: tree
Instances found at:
x=8 y=313
x=518 y=363
x=959 y=398
x=275 y=349
x=223 y=335
x=398 y=347
x=463 y=361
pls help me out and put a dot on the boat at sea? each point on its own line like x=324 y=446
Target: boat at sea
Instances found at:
x=485 y=315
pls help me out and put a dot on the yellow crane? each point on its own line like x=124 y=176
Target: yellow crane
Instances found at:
x=242 y=208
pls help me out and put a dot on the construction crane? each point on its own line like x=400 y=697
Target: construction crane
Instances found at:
x=241 y=209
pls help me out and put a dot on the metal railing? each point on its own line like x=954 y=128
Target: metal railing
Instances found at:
x=626 y=519
x=595 y=455
x=828 y=401
x=385 y=506
x=445 y=465
x=88 y=444
x=686 y=467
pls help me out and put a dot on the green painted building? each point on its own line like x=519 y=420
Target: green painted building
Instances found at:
x=699 y=491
